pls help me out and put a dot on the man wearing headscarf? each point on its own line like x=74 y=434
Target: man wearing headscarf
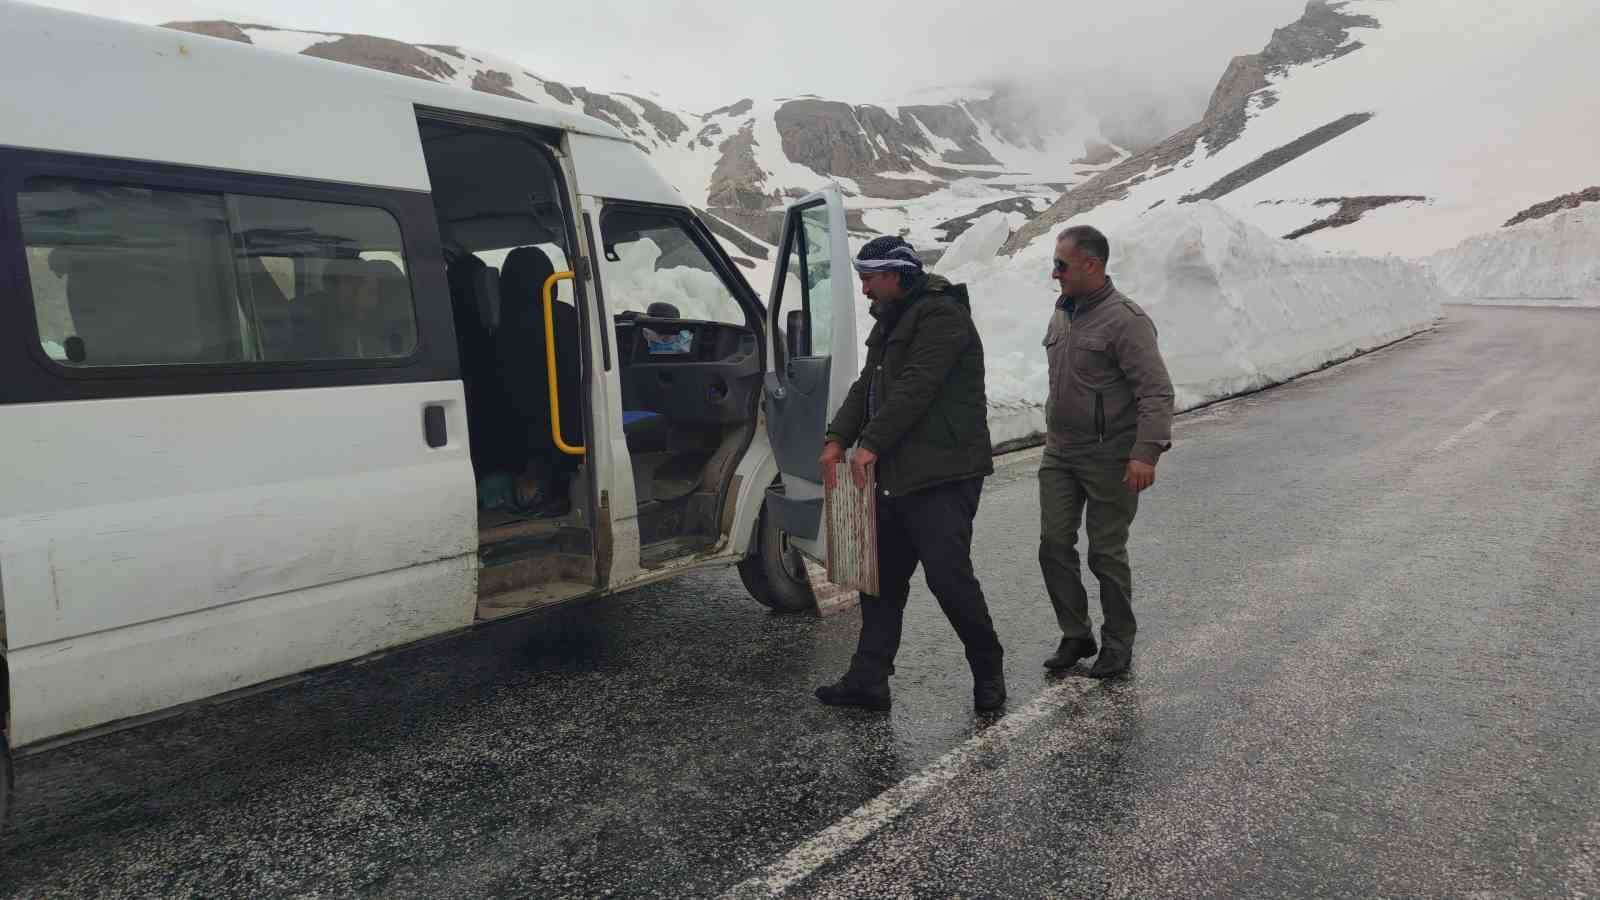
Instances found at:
x=918 y=414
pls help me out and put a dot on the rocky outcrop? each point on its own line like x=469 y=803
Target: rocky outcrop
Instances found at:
x=225 y=30
x=1322 y=32
x=669 y=126
x=605 y=108
x=953 y=228
x=743 y=107
x=1350 y=211
x=1551 y=207
x=896 y=188
x=560 y=92
x=953 y=124
x=1278 y=157
x=384 y=55
x=737 y=181
x=492 y=82
x=838 y=139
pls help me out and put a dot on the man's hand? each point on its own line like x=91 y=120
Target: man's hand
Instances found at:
x=858 y=465
x=831 y=453
x=1139 y=476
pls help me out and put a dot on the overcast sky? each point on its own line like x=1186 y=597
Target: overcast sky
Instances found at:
x=701 y=55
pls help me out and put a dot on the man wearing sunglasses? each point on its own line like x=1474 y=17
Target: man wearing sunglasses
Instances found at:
x=1108 y=420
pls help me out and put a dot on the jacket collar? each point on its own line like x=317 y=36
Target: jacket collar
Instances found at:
x=1077 y=306
x=888 y=315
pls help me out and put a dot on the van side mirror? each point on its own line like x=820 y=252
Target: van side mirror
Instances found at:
x=795 y=340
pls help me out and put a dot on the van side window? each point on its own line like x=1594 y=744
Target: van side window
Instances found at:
x=125 y=275
x=650 y=258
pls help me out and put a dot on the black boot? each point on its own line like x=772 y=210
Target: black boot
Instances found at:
x=989 y=691
x=856 y=689
x=1070 y=651
x=1111 y=662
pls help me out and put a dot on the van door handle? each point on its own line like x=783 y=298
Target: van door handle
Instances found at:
x=434 y=429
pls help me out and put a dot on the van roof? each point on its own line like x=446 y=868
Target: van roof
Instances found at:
x=84 y=84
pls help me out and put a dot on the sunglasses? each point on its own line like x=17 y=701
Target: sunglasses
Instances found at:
x=1059 y=266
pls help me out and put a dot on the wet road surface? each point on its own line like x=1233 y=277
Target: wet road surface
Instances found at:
x=1366 y=666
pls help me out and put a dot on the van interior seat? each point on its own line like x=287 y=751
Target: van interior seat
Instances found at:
x=519 y=354
x=487 y=410
x=395 y=324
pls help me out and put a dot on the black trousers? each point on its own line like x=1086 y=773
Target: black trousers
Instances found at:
x=932 y=527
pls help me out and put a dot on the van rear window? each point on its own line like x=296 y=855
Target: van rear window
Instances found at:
x=124 y=275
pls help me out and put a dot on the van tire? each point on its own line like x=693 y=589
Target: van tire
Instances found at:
x=6 y=787
x=770 y=572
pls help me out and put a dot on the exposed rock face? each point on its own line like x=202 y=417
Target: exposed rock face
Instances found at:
x=1350 y=211
x=737 y=181
x=227 y=30
x=895 y=188
x=827 y=136
x=1323 y=31
x=707 y=134
x=1278 y=157
x=560 y=92
x=1011 y=119
x=953 y=124
x=669 y=126
x=491 y=82
x=738 y=109
x=1551 y=207
x=606 y=109
x=953 y=228
x=383 y=54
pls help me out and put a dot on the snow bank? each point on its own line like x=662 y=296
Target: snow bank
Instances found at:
x=1546 y=262
x=981 y=240
x=637 y=279
x=1237 y=309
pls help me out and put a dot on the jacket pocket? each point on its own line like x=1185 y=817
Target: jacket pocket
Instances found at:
x=1092 y=365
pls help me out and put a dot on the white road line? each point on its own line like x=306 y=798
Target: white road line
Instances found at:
x=1472 y=426
x=831 y=843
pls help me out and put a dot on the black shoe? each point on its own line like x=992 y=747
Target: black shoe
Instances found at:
x=1070 y=651
x=1111 y=662
x=989 y=693
x=856 y=690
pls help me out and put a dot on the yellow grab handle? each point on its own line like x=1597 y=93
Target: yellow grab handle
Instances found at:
x=550 y=361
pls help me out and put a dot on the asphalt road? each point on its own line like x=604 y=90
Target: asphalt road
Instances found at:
x=1369 y=606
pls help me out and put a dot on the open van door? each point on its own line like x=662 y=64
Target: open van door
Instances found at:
x=812 y=328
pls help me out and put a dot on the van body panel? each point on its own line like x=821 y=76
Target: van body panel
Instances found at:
x=619 y=170
x=165 y=509
x=79 y=683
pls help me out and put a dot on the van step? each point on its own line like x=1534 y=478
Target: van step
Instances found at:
x=533 y=569
x=530 y=598
x=658 y=554
x=495 y=526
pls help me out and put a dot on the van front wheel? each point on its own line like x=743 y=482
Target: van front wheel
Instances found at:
x=775 y=574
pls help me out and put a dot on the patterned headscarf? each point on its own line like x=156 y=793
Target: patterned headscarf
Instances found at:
x=888 y=254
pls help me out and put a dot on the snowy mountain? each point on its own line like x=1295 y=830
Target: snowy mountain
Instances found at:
x=1378 y=126
x=925 y=166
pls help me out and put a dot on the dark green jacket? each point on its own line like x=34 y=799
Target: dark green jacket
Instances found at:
x=919 y=403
